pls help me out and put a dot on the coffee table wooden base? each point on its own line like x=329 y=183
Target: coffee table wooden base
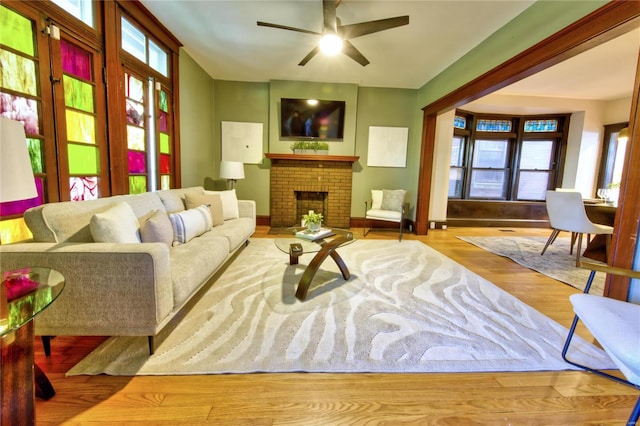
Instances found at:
x=328 y=249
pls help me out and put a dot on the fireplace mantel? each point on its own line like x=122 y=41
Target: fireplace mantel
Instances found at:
x=312 y=157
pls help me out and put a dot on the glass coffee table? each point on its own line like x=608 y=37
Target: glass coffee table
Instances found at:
x=324 y=247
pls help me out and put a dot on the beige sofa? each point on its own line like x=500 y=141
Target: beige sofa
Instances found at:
x=132 y=288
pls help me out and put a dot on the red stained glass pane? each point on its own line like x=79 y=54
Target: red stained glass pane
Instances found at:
x=18 y=207
x=75 y=60
x=162 y=122
x=165 y=164
x=137 y=162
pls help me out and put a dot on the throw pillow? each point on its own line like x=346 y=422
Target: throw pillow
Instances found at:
x=393 y=199
x=189 y=224
x=229 y=203
x=117 y=224
x=157 y=228
x=213 y=201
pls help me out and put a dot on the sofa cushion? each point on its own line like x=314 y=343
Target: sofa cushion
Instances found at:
x=229 y=203
x=117 y=224
x=213 y=201
x=192 y=264
x=157 y=228
x=190 y=223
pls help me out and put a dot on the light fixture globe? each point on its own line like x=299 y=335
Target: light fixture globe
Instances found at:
x=330 y=44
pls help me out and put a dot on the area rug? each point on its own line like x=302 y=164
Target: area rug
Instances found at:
x=406 y=308
x=556 y=262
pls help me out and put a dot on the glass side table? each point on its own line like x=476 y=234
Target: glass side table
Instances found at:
x=24 y=293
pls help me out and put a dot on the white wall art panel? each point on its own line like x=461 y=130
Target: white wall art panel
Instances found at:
x=387 y=146
x=242 y=142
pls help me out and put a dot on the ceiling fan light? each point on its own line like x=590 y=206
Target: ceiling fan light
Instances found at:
x=330 y=44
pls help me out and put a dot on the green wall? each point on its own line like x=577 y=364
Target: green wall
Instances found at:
x=244 y=102
x=197 y=146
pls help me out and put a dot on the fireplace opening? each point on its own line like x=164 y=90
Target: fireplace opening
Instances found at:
x=311 y=200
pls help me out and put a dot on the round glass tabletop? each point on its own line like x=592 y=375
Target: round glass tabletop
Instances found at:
x=25 y=293
x=287 y=236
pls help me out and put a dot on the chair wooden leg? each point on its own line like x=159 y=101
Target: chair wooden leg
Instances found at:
x=551 y=239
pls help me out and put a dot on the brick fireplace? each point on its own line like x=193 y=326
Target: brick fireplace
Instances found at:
x=300 y=183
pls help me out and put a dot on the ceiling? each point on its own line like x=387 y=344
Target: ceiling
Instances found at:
x=224 y=39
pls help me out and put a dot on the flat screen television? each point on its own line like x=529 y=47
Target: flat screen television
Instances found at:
x=311 y=119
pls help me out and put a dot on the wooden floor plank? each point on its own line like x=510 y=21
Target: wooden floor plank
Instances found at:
x=540 y=398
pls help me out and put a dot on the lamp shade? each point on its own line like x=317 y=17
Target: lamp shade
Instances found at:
x=16 y=176
x=231 y=170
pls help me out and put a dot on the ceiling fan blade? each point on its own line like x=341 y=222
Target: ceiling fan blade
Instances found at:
x=363 y=28
x=284 y=27
x=310 y=55
x=329 y=14
x=349 y=50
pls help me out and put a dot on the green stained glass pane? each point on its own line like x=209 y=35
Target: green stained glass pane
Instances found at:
x=17 y=73
x=78 y=94
x=135 y=138
x=163 y=102
x=165 y=182
x=17 y=31
x=164 y=143
x=137 y=184
x=83 y=159
x=35 y=154
x=80 y=127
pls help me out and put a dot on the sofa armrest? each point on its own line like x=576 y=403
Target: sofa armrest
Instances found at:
x=247 y=208
x=110 y=289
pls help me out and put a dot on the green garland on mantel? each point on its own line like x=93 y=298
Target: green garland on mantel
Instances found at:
x=310 y=146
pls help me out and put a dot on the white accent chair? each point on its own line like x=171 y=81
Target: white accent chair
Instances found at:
x=616 y=326
x=566 y=213
x=385 y=205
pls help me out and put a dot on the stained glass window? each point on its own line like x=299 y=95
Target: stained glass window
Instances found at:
x=75 y=60
x=23 y=81
x=83 y=188
x=493 y=125
x=19 y=100
x=541 y=125
x=137 y=184
x=16 y=31
x=79 y=96
x=459 y=122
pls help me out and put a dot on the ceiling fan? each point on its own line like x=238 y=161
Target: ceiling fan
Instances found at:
x=337 y=35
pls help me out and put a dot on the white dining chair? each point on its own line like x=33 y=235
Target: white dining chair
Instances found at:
x=567 y=213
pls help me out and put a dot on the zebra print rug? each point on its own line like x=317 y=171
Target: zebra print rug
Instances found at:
x=406 y=308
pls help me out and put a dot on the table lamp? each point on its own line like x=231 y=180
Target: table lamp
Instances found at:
x=232 y=171
x=16 y=176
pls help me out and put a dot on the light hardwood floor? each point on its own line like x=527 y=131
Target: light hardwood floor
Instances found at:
x=533 y=398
